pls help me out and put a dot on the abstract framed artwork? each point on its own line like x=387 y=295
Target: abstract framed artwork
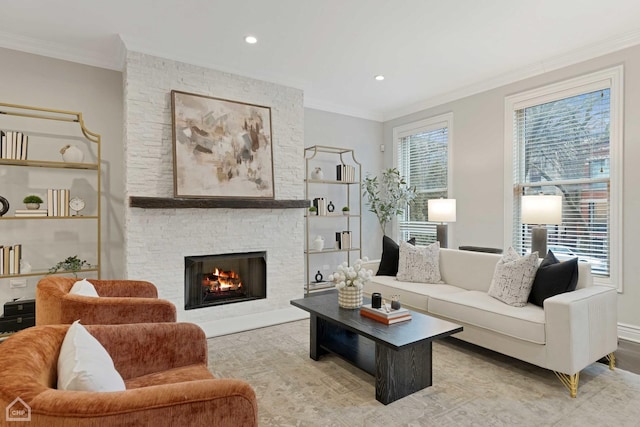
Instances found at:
x=221 y=148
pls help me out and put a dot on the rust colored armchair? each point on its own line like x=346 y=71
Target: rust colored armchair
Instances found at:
x=120 y=301
x=164 y=366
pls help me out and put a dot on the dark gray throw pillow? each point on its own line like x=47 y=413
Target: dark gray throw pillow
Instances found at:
x=553 y=277
x=390 y=256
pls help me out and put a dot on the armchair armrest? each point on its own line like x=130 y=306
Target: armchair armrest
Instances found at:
x=581 y=327
x=115 y=310
x=125 y=288
x=144 y=348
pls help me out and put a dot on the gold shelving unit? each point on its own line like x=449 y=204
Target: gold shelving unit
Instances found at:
x=40 y=113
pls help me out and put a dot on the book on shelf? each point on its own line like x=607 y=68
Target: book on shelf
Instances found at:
x=385 y=320
x=10 y=259
x=58 y=202
x=391 y=313
x=345 y=240
x=3 y=145
x=345 y=173
x=31 y=211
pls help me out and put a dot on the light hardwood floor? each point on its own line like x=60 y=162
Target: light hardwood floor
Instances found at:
x=628 y=356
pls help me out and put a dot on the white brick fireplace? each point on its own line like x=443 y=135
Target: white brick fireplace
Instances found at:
x=157 y=240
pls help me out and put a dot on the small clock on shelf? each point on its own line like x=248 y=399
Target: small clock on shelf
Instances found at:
x=76 y=204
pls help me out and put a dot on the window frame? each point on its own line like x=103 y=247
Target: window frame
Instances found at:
x=612 y=79
x=426 y=125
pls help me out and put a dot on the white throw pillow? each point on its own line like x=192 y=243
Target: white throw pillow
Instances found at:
x=84 y=364
x=513 y=278
x=419 y=263
x=85 y=288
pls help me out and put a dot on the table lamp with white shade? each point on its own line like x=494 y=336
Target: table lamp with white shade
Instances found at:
x=442 y=211
x=541 y=210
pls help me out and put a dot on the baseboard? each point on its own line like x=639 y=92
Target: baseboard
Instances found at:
x=629 y=332
x=252 y=321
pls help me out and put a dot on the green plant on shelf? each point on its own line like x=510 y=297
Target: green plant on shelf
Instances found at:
x=32 y=198
x=72 y=264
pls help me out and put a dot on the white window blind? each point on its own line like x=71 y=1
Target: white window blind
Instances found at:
x=562 y=147
x=422 y=159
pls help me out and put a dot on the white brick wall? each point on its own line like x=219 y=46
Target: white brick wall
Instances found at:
x=158 y=240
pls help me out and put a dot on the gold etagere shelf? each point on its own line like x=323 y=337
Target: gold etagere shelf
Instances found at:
x=40 y=113
x=352 y=196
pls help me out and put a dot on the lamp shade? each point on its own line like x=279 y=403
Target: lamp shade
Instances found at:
x=442 y=210
x=541 y=209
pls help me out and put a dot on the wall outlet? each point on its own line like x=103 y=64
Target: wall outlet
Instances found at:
x=18 y=283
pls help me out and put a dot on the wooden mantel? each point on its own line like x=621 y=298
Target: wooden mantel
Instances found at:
x=178 y=203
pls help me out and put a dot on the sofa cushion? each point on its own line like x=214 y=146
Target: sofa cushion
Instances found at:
x=513 y=278
x=84 y=364
x=552 y=278
x=412 y=294
x=456 y=266
x=171 y=376
x=479 y=309
x=390 y=255
x=419 y=263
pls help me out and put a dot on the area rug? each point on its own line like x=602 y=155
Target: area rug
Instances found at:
x=471 y=387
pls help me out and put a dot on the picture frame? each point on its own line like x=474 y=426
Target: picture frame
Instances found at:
x=221 y=148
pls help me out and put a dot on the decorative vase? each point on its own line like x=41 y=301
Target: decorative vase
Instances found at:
x=32 y=206
x=350 y=297
x=317 y=173
x=72 y=154
x=318 y=244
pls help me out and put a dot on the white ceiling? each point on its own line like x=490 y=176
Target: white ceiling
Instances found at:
x=429 y=51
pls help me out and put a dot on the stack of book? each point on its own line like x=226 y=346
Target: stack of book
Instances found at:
x=10 y=257
x=31 y=213
x=385 y=314
x=13 y=145
x=57 y=202
x=343 y=240
x=346 y=173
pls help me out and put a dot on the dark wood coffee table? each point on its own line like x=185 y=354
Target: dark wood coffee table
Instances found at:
x=398 y=355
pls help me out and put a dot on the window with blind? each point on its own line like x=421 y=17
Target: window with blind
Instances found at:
x=422 y=157
x=563 y=144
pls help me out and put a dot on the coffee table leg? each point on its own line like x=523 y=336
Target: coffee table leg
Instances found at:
x=400 y=373
x=316 y=332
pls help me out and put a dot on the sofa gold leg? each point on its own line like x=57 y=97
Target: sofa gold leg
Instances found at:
x=569 y=381
x=612 y=360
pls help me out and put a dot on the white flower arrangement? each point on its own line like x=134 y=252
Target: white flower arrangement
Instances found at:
x=354 y=276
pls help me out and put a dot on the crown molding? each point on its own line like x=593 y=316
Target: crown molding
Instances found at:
x=560 y=61
x=58 y=51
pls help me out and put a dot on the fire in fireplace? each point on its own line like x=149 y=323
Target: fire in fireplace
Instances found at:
x=223 y=279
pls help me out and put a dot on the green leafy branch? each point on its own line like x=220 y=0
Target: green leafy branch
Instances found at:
x=388 y=197
x=72 y=264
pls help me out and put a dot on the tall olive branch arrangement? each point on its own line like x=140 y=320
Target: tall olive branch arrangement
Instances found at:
x=389 y=196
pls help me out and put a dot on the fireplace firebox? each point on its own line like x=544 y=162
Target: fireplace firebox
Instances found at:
x=224 y=279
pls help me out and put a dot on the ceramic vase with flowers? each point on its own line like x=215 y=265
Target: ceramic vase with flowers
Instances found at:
x=350 y=281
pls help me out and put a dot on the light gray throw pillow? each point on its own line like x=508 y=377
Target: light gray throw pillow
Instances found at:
x=513 y=278
x=419 y=263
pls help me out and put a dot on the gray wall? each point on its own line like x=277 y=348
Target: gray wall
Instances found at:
x=33 y=80
x=478 y=167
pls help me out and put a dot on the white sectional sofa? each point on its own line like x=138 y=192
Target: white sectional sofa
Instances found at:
x=573 y=330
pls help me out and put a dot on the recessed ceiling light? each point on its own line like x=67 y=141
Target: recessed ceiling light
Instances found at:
x=379 y=77
x=251 y=39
